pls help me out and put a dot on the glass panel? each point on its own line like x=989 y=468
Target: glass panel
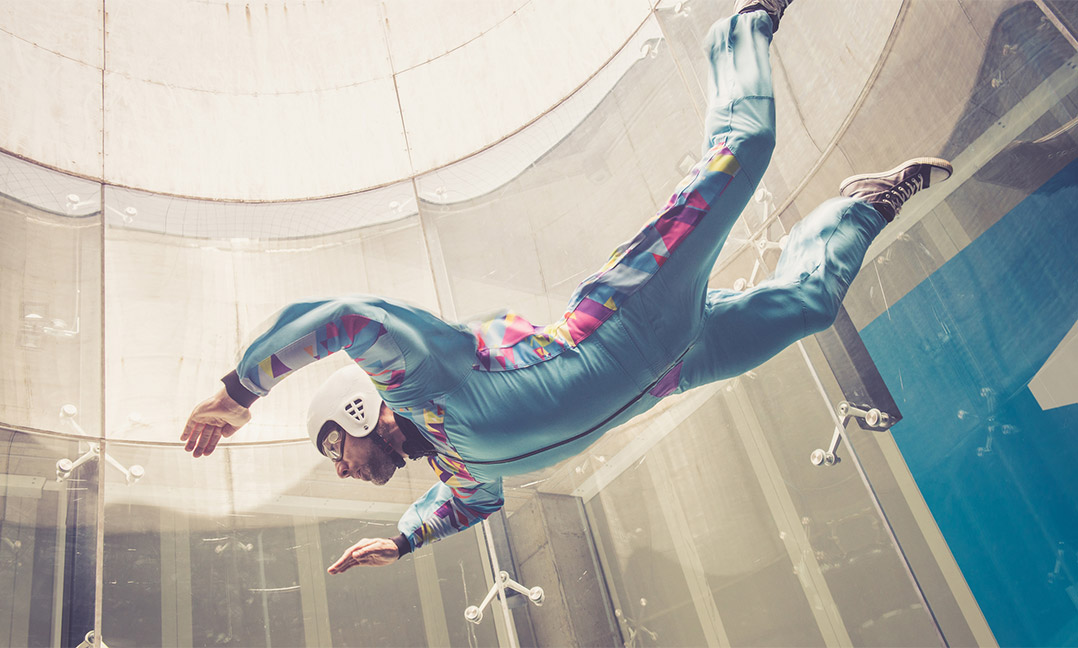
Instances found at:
x=222 y=552
x=968 y=306
x=652 y=598
x=50 y=273
x=751 y=538
x=48 y=540
x=190 y=283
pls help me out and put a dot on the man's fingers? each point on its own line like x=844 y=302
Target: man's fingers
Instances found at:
x=202 y=438
x=193 y=428
x=344 y=563
x=342 y=566
x=354 y=555
x=207 y=438
x=216 y=417
x=357 y=557
x=217 y=434
x=346 y=557
x=366 y=552
x=193 y=432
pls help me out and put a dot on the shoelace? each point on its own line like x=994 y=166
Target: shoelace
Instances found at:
x=901 y=192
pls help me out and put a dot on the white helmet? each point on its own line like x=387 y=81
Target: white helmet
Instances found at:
x=349 y=399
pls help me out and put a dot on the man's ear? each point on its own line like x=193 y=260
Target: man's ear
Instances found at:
x=386 y=415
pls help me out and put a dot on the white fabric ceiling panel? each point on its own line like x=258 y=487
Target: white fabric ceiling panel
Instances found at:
x=423 y=30
x=238 y=48
x=491 y=86
x=67 y=28
x=280 y=100
x=51 y=106
x=498 y=165
x=265 y=147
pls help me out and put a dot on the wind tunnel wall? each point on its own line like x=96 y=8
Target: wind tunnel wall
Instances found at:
x=701 y=523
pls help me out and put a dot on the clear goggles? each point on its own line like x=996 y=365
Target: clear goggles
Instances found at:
x=333 y=445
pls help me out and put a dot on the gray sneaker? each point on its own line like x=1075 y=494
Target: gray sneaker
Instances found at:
x=888 y=191
x=774 y=8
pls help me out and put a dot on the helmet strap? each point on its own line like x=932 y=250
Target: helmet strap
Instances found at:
x=393 y=455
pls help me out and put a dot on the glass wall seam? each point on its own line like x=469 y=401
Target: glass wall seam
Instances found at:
x=691 y=566
x=937 y=544
x=827 y=613
x=870 y=490
x=506 y=631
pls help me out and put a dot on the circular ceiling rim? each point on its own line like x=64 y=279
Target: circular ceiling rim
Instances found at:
x=114 y=176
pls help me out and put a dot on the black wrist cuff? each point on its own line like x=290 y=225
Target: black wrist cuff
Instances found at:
x=237 y=391
x=403 y=546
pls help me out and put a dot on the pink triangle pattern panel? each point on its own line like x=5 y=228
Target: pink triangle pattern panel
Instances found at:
x=511 y=342
x=448 y=465
x=458 y=513
x=472 y=501
x=367 y=341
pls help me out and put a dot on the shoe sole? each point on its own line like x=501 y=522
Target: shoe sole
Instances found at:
x=1057 y=132
x=931 y=161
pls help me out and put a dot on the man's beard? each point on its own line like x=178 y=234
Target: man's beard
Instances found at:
x=381 y=468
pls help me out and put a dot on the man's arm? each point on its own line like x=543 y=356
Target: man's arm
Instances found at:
x=302 y=333
x=308 y=331
x=446 y=510
x=441 y=512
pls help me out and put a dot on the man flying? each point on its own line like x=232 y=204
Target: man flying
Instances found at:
x=506 y=397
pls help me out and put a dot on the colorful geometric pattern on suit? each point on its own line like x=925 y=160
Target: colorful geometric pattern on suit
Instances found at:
x=461 y=501
x=366 y=340
x=450 y=467
x=511 y=342
x=471 y=502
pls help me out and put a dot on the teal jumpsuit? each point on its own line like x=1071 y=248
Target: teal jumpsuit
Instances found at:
x=506 y=397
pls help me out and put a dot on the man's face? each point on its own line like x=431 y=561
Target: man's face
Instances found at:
x=362 y=459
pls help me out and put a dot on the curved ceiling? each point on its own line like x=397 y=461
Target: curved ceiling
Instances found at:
x=280 y=100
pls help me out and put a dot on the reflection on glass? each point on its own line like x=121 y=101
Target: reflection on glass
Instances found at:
x=188 y=282
x=48 y=540
x=202 y=563
x=50 y=271
x=968 y=310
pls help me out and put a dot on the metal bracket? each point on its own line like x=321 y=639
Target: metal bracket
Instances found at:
x=88 y=641
x=64 y=467
x=536 y=595
x=867 y=417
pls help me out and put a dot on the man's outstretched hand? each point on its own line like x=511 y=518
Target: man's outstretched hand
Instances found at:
x=216 y=417
x=369 y=552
